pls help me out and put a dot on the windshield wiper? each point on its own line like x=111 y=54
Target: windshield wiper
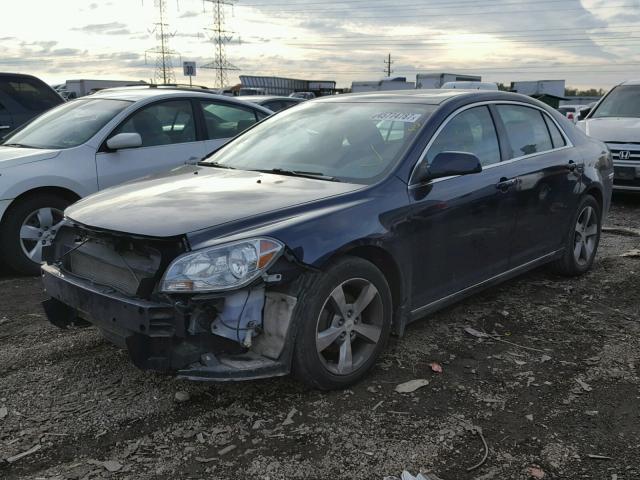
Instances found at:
x=19 y=145
x=298 y=173
x=215 y=164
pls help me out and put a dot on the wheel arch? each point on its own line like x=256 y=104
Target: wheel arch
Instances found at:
x=596 y=192
x=65 y=193
x=387 y=264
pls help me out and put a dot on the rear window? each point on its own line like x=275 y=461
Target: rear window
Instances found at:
x=526 y=130
x=29 y=93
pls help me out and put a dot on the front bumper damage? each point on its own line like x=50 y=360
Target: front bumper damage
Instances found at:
x=239 y=335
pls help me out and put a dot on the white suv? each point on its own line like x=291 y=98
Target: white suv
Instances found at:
x=98 y=141
x=615 y=120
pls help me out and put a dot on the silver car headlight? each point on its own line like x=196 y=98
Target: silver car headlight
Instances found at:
x=223 y=267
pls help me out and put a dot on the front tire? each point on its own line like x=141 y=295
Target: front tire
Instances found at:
x=582 y=240
x=345 y=319
x=27 y=224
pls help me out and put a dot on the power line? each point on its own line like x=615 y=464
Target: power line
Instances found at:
x=163 y=54
x=302 y=8
x=498 y=12
x=221 y=37
x=388 y=64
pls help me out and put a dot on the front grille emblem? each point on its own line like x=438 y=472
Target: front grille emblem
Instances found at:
x=624 y=155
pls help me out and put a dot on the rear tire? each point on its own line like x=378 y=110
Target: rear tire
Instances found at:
x=345 y=319
x=582 y=240
x=25 y=224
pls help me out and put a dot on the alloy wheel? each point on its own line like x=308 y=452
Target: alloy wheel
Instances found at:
x=586 y=236
x=349 y=326
x=38 y=230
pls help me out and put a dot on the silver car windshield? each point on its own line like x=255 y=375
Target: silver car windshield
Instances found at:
x=68 y=125
x=351 y=142
x=622 y=101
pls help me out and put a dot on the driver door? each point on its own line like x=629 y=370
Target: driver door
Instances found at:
x=169 y=139
x=461 y=226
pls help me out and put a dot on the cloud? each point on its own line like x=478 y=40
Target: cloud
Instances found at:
x=189 y=14
x=112 y=28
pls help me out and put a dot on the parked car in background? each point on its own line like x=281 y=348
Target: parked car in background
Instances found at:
x=23 y=97
x=304 y=95
x=571 y=111
x=272 y=102
x=245 y=91
x=301 y=244
x=470 y=85
x=98 y=141
x=616 y=121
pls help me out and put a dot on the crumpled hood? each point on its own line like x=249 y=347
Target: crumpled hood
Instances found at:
x=612 y=129
x=190 y=198
x=14 y=156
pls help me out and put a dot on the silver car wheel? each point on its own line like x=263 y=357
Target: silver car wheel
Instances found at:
x=349 y=326
x=586 y=236
x=38 y=230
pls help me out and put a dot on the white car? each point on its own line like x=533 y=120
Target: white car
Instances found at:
x=571 y=111
x=615 y=120
x=98 y=141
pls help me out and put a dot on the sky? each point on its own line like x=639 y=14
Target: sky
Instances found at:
x=590 y=43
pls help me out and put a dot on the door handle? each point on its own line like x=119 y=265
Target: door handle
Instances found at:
x=506 y=183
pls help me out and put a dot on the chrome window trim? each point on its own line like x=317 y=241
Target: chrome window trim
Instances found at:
x=569 y=143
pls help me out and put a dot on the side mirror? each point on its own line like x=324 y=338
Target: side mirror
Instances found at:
x=583 y=113
x=447 y=164
x=124 y=140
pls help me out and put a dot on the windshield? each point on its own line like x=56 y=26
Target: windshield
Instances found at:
x=351 y=142
x=68 y=125
x=623 y=101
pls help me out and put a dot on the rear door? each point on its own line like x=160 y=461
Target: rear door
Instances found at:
x=169 y=139
x=547 y=171
x=223 y=121
x=461 y=226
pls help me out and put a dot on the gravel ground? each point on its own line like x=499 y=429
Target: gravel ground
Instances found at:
x=556 y=393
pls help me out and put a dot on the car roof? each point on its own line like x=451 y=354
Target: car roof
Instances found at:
x=265 y=98
x=140 y=93
x=425 y=96
x=631 y=82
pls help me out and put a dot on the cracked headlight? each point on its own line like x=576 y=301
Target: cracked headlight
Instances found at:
x=222 y=267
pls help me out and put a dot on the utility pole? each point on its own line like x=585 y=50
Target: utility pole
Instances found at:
x=163 y=54
x=388 y=64
x=220 y=37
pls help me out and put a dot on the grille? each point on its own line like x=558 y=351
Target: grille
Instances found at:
x=118 y=266
x=633 y=149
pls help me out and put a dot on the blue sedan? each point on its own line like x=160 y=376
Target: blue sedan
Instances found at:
x=304 y=243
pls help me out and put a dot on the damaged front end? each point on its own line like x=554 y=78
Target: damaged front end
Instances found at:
x=212 y=314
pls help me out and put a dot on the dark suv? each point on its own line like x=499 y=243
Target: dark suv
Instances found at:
x=23 y=97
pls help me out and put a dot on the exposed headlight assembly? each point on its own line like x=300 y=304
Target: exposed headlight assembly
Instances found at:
x=223 y=267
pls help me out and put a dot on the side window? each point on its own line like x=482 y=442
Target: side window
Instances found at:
x=163 y=123
x=30 y=94
x=471 y=131
x=224 y=120
x=556 y=136
x=526 y=130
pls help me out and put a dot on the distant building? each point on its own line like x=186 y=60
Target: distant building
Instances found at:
x=286 y=86
x=436 y=80
x=396 y=83
x=82 y=87
x=550 y=92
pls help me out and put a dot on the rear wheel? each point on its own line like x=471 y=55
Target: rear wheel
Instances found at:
x=346 y=318
x=583 y=239
x=29 y=225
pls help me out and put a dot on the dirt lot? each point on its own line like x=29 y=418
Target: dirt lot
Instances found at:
x=566 y=388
